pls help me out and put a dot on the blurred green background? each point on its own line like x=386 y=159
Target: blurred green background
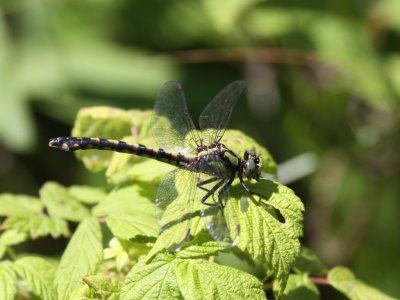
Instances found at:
x=323 y=89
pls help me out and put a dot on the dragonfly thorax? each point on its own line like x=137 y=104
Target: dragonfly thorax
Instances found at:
x=251 y=165
x=210 y=152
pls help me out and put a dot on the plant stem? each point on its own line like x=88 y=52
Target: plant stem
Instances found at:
x=316 y=280
x=319 y=280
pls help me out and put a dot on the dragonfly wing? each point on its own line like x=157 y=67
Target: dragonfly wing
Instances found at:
x=171 y=124
x=174 y=208
x=222 y=224
x=214 y=118
x=219 y=215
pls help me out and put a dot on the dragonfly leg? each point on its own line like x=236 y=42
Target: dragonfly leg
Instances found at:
x=247 y=188
x=211 y=192
x=222 y=190
x=207 y=181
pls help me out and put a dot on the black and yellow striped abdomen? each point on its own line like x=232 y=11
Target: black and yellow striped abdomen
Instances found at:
x=84 y=143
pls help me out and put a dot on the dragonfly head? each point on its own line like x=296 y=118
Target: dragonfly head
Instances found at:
x=251 y=166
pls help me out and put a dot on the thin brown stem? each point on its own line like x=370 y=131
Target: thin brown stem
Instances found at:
x=267 y=55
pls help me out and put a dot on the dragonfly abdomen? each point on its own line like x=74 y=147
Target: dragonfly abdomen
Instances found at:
x=85 y=143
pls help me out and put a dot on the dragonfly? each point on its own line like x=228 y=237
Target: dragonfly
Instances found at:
x=206 y=168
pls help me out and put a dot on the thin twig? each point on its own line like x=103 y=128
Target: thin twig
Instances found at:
x=267 y=55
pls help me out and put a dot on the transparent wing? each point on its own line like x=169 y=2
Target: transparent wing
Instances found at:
x=174 y=207
x=214 y=118
x=219 y=216
x=172 y=127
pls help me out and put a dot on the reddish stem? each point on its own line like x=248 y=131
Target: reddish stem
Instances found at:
x=319 y=280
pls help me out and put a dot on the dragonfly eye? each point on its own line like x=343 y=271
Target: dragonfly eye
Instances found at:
x=250 y=168
x=252 y=165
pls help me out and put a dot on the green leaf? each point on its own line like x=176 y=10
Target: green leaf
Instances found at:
x=59 y=203
x=344 y=281
x=201 y=246
x=263 y=235
x=388 y=9
x=300 y=287
x=153 y=281
x=87 y=194
x=19 y=205
x=124 y=253
x=167 y=277
x=128 y=213
x=148 y=170
x=124 y=167
x=11 y=237
x=81 y=257
x=225 y=15
x=38 y=274
x=307 y=262
x=158 y=247
x=117 y=251
x=201 y=279
x=8 y=281
x=97 y=287
x=37 y=225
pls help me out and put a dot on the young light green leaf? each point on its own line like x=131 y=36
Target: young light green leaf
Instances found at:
x=8 y=281
x=38 y=274
x=172 y=278
x=125 y=167
x=87 y=194
x=124 y=253
x=263 y=235
x=117 y=251
x=19 y=205
x=97 y=287
x=141 y=123
x=344 y=281
x=11 y=237
x=128 y=213
x=105 y=122
x=148 y=170
x=299 y=287
x=59 y=203
x=83 y=253
x=37 y=225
